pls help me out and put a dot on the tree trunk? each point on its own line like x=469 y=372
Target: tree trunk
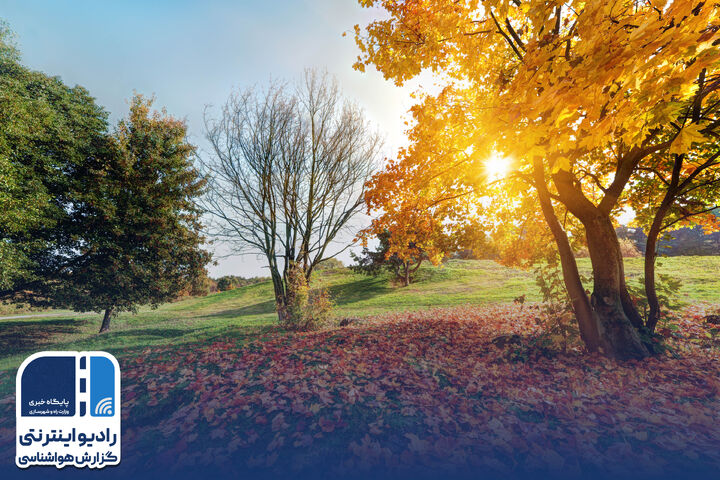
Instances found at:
x=406 y=278
x=609 y=300
x=281 y=308
x=650 y=257
x=618 y=336
x=279 y=287
x=628 y=305
x=106 y=320
x=587 y=323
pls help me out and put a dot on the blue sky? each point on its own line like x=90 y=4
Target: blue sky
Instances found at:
x=190 y=54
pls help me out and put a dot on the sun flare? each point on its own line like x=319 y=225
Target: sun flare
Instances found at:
x=497 y=167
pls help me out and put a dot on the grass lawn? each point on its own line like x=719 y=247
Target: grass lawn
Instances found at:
x=249 y=311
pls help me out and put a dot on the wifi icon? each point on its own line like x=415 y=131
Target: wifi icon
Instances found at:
x=104 y=407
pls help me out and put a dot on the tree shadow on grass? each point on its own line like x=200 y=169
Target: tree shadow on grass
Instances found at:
x=198 y=337
x=28 y=335
x=154 y=333
x=360 y=290
x=342 y=295
x=259 y=308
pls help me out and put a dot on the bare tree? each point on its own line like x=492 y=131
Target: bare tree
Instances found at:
x=286 y=172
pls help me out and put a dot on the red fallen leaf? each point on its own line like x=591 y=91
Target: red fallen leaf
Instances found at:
x=436 y=367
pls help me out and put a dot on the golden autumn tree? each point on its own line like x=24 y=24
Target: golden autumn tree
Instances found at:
x=670 y=191
x=422 y=217
x=579 y=94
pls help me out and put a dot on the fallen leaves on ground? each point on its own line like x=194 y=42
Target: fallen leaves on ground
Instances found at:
x=425 y=389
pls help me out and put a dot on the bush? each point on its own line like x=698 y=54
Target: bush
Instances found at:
x=224 y=284
x=329 y=264
x=667 y=289
x=305 y=309
x=628 y=248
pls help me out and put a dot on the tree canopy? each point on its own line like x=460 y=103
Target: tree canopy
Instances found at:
x=136 y=221
x=48 y=131
x=578 y=95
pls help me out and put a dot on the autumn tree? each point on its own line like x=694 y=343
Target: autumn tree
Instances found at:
x=416 y=221
x=578 y=94
x=287 y=171
x=374 y=262
x=135 y=221
x=675 y=189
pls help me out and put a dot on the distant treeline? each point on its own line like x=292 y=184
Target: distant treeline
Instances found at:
x=684 y=241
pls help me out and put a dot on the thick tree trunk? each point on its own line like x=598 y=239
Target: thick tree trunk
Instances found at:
x=618 y=336
x=106 y=320
x=609 y=300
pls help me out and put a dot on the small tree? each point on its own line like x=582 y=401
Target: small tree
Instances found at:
x=374 y=262
x=417 y=223
x=287 y=173
x=224 y=284
x=136 y=224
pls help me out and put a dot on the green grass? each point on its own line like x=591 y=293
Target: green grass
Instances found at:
x=249 y=311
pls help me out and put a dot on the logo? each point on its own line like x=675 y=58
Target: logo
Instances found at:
x=68 y=410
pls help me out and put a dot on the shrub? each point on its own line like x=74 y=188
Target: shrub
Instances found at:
x=628 y=248
x=329 y=264
x=224 y=284
x=305 y=309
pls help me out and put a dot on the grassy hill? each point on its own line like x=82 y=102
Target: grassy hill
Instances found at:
x=249 y=311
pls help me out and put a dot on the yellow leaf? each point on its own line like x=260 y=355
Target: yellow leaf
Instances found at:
x=686 y=137
x=561 y=163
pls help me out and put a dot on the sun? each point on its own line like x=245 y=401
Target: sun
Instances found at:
x=497 y=167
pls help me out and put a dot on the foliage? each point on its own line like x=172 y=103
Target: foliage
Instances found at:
x=577 y=96
x=228 y=282
x=402 y=266
x=331 y=263
x=224 y=284
x=305 y=309
x=48 y=131
x=137 y=227
x=416 y=223
x=668 y=290
x=555 y=314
